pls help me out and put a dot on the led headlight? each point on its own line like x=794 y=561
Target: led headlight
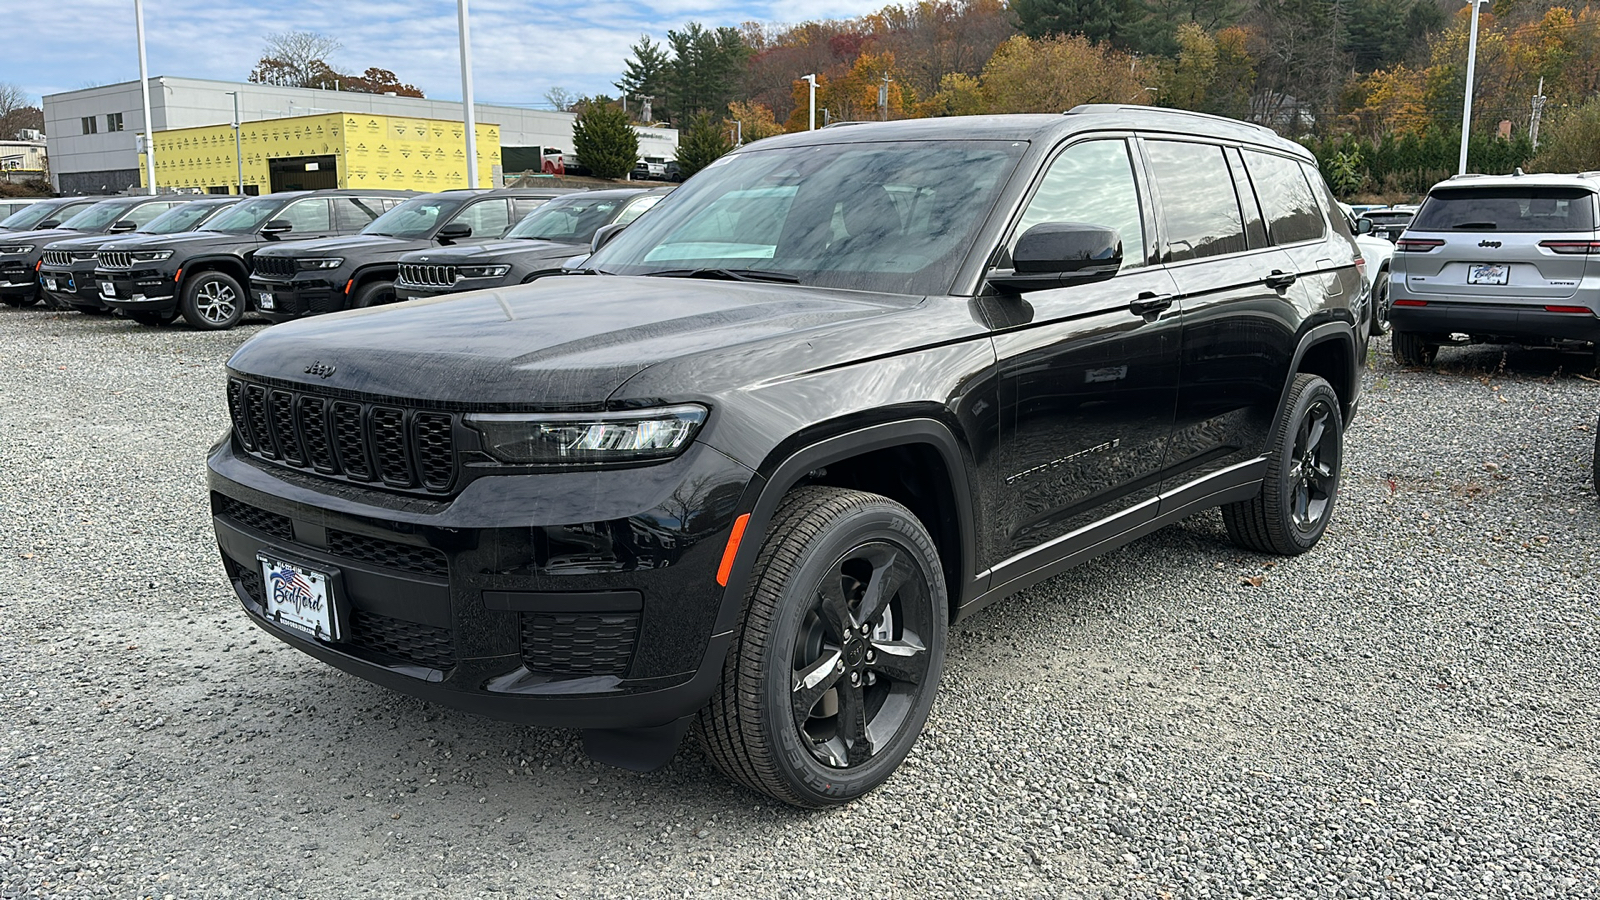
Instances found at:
x=589 y=438
x=484 y=271
x=150 y=255
x=15 y=249
x=320 y=262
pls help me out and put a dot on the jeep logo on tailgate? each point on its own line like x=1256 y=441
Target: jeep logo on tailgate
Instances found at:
x=1488 y=243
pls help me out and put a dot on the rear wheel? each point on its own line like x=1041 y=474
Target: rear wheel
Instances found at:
x=838 y=652
x=1380 y=303
x=1295 y=505
x=1412 y=350
x=212 y=301
x=1596 y=464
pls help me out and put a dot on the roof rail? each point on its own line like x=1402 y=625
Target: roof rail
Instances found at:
x=1084 y=108
x=843 y=123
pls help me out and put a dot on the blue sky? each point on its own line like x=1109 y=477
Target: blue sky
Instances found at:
x=520 y=50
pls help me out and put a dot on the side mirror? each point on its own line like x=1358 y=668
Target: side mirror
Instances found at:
x=604 y=234
x=120 y=227
x=1055 y=254
x=47 y=224
x=1363 y=226
x=455 y=231
x=276 y=227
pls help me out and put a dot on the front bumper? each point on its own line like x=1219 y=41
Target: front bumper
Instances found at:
x=404 y=290
x=280 y=301
x=73 y=286
x=1494 y=322
x=18 y=278
x=137 y=291
x=522 y=598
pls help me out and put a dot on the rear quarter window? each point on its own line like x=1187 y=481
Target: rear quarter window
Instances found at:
x=1509 y=208
x=1286 y=198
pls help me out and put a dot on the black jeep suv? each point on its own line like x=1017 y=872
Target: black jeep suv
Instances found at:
x=743 y=469
x=538 y=245
x=201 y=275
x=67 y=271
x=22 y=252
x=311 y=277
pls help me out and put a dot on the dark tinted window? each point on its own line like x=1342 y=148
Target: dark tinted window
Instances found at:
x=1198 y=206
x=1091 y=183
x=1507 y=208
x=1255 y=227
x=1286 y=198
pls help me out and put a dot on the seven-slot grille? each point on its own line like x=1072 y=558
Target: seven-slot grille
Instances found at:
x=364 y=442
x=429 y=276
x=57 y=258
x=115 y=259
x=276 y=266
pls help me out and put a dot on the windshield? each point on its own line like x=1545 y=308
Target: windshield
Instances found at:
x=97 y=216
x=568 y=220
x=182 y=217
x=896 y=217
x=1536 y=209
x=418 y=217
x=24 y=219
x=248 y=216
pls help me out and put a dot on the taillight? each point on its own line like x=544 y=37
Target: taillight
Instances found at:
x=1408 y=303
x=1575 y=310
x=1417 y=245
x=1361 y=267
x=1572 y=247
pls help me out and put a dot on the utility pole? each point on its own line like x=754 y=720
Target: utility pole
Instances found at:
x=883 y=97
x=1538 y=111
x=467 y=116
x=1466 y=102
x=238 y=155
x=812 y=81
x=144 y=89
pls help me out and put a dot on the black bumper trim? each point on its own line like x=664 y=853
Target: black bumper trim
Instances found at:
x=1484 y=320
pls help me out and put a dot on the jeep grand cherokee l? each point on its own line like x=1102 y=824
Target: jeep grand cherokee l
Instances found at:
x=1500 y=259
x=21 y=252
x=67 y=271
x=311 y=277
x=820 y=402
x=46 y=213
x=202 y=275
x=537 y=246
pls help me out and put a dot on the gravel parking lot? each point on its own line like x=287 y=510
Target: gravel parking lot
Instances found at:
x=1410 y=710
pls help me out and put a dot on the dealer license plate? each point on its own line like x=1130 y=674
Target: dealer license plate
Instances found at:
x=1488 y=274
x=264 y=300
x=299 y=597
x=108 y=290
x=49 y=282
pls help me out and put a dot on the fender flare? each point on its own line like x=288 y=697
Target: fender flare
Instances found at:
x=1343 y=333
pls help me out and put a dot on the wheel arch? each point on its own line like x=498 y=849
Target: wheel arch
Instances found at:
x=369 y=273
x=232 y=266
x=1330 y=351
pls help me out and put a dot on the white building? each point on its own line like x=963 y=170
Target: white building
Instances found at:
x=91 y=132
x=21 y=160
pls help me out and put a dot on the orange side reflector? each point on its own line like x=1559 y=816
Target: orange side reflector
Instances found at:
x=732 y=550
x=178 y=276
x=347 y=285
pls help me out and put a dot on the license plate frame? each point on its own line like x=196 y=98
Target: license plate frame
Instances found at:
x=305 y=598
x=50 y=283
x=266 y=301
x=108 y=290
x=1492 y=274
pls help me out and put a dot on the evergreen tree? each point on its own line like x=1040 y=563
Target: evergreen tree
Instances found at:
x=705 y=70
x=646 y=76
x=604 y=140
x=1097 y=20
x=705 y=139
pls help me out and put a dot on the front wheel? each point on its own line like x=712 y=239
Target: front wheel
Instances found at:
x=837 y=655
x=212 y=301
x=373 y=293
x=1295 y=505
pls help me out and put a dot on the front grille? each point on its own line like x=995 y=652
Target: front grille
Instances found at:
x=422 y=644
x=428 y=276
x=272 y=523
x=57 y=258
x=249 y=580
x=361 y=442
x=115 y=259
x=389 y=554
x=273 y=266
x=579 y=643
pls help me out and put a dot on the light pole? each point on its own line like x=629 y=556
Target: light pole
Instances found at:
x=144 y=89
x=811 y=80
x=466 y=94
x=1466 y=102
x=238 y=155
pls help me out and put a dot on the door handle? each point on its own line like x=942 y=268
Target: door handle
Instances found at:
x=1279 y=279
x=1150 y=303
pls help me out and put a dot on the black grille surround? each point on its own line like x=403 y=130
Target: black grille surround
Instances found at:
x=272 y=266
x=377 y=444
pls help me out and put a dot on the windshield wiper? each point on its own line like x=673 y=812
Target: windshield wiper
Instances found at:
x=730 y=275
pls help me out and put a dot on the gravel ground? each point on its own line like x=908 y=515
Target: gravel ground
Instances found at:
x=1408 y=711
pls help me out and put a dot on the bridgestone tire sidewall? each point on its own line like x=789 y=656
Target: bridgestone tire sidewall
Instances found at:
x=817 y=783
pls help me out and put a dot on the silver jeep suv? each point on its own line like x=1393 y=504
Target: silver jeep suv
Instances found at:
x=1509 y=259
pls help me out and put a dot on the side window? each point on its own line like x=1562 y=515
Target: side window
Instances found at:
x=1091 y=183
x=488 y=218
x=521 y=206
x=1200 y=211
x=636 y=209
x=308 y=216
x=141 y=215
x=355 y=213
x=1286 y=198
x=1255 y=227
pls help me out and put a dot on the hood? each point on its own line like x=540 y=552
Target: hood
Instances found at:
x=40 y=237
x=496 y=251
x=195 y=240
x=370 y=243
x=556 y=343
x=85 y=241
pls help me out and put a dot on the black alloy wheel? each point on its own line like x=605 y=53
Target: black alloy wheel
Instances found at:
x=838 y=655
x=1297 y=495
x=1380 y=302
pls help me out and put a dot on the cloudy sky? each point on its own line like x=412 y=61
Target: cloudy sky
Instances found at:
x=520 y=50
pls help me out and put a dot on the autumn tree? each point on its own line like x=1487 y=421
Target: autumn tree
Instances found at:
x=755 y=121
x=1057 y=73
x=604 y=140
x=1572 y=144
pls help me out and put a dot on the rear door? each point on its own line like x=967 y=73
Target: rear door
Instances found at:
x=1502 y=245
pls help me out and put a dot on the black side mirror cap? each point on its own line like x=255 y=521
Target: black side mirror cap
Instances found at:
x=121 y=227
x=604 y=234
x=1056 y=254
x=47 y=224
x=276 y=226
x=455 y=231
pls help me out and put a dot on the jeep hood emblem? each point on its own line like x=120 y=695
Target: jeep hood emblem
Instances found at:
x=320 y=370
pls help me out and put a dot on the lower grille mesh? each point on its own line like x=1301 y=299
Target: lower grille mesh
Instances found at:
x=579 y=643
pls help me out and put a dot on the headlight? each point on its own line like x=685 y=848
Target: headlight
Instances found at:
x=15 y=249
x=150 y=255
x=484 y=271
x=588 y=438
x=320 y=262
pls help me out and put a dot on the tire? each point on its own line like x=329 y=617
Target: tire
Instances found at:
x=22 y=302
x=212 y=301
x=1380 y=302
x=153 y=319
x=1297 y=495
x=1411 y=350
x=373 y=293
x=768 y=724
x=1596 y=464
